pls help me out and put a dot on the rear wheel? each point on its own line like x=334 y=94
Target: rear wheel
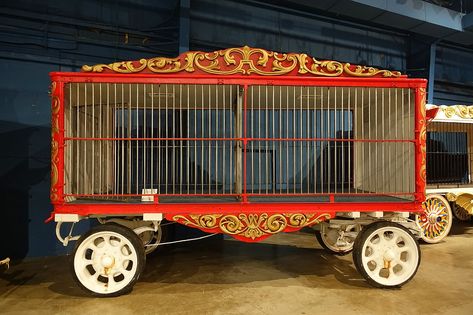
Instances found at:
x=436 y=220
x=386 y=254
x=338 y=241
x=108 y=260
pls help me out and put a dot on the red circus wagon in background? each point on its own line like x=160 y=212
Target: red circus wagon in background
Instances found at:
x=241 y=141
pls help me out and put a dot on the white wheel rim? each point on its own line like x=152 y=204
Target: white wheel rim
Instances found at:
x=336 y=242
x=105 y=262
x=436 y=219
x=390 y=256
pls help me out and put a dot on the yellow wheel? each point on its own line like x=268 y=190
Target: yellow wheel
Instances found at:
x=436 y=220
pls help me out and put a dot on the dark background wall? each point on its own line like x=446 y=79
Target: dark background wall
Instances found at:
x=39 y=37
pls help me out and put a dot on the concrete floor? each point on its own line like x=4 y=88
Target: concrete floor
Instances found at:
x=287 y=274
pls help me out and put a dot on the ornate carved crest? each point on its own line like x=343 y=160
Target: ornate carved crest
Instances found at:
x=250 y=227
x=243 y=61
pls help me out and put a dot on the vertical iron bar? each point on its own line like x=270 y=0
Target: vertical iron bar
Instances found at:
x=266 y=136
x=224 y=112
x=252 y=117
x=100 y=136
x=195 y=136
x=376 y=152
x=216 y=136
x=314 y=143
x=273 y=160
x=403 y=127
x=210 y=136
x=107 y=171
x=335 y=145
x=159 y=166
x=321 y=143
x=78 y=123
x=202 y=141
x=230 y=169
x=173 y=145
x=390 y=155
x=300 y=142
x=188 y=144
x=307 y=143
x=370 y=172
x=280 y=135
x=144 y=142
x=151 y=166
x=180 y=141
x=137 y=136
x=294 y=132
x=166 y=165
x=329 y=135
x=84 y=169
x=342 y=144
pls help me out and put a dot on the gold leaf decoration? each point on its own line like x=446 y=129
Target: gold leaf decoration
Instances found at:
x=54 y=143
x=423 y=134
x=462 y=111
x=244 y=61
x=251 y=226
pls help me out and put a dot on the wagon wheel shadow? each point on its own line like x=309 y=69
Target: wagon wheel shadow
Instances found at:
x=227 y=262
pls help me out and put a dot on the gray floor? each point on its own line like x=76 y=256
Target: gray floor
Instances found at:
x=287 y=274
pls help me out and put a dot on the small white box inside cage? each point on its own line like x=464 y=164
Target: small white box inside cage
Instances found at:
x=147 y=192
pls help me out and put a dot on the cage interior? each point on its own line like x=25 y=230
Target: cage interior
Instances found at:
x=202 y=141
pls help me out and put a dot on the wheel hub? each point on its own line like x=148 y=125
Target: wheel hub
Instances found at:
x=433 y=218
x=389 y=255
x=107 y=261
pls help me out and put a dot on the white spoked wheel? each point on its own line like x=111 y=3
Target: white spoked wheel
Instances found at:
x=460 y=213
x=386 y=254
x=108 y=260
x=338 y=241
x=436 y=220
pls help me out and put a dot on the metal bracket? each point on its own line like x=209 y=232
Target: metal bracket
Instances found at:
x=65 y=240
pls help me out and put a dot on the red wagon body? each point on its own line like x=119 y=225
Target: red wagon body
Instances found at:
x=241 y=141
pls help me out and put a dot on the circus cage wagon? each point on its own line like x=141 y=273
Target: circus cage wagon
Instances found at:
x=449 y=168
x=241 y=141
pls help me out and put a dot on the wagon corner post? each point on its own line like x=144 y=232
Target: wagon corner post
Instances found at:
x=57 y=142
x=420 y=136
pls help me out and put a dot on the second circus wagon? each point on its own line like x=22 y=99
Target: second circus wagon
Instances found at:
x=241 y=141
x=449 y=168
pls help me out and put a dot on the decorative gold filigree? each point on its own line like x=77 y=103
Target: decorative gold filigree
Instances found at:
x=451 y=197
x=461 y=111
x=120 y=67
x=243 y=60
x=422 y=134
x=251 y=226
x=54 y=144
x=363 y=71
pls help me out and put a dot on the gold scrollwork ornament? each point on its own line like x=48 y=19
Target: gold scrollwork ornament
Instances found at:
x=252 y=225
x=242 y=60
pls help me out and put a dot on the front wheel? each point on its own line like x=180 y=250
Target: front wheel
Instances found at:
x=436 y=220
x=386 y=254
x=108 y=260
